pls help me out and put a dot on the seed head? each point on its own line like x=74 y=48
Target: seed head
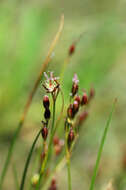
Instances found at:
x=44 y=132
x=47 y=114
x=71 y=137
x=75 y=107
x=75 y=86
x=53 y=185
x=75 y=79
x=70 y=112
x=74 y=89
x=77 y=98
x=84 y=99
x=71 y=49
x=46 y=102
x=51 y=84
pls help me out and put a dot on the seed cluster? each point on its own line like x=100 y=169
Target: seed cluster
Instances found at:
x=74 y=119
x=73 y=109
x=47 y=115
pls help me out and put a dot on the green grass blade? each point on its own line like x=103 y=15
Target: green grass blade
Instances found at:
x=10 y=150
x=28 y=161
x=15 y=174
x=101 y=148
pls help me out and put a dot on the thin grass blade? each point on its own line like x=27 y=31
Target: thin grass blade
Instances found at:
x=101 y=148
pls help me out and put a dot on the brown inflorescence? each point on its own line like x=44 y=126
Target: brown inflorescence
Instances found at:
x=75 y=86
x=71 y=137
x=44 y=132
x=84 y=99
x=47 y=114
x=75 y=107
x=72 y=49
x=53 y=185
x=77 y=98
x=46 y=102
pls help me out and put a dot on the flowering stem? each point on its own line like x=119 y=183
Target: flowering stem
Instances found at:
x=69 y=174
x=101 y=149
x=48 y=154
x=28 y=161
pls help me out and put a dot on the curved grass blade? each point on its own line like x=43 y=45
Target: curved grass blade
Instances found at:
x=28 y=161
x=101 y=148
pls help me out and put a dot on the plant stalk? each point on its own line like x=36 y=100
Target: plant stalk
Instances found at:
x=28 y=161
x=48 y=153
x=68 y=162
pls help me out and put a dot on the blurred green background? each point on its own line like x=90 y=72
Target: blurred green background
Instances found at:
x=26 y=31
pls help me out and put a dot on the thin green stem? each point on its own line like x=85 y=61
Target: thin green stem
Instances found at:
x=57 y=168
x=61 y=113
x=101 y=148
x=69 y=174
x=15 y=176
x=48 y=154
x=64 y=66
x=35 y=165
x=28 y=161
x=68 y=161
x=9 y=154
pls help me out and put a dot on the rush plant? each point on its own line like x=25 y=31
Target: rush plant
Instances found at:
x=52 y=146
x=75 y=115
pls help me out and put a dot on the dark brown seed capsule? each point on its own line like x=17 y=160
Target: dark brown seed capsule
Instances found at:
x=46 y=102
x=75 y=106
x=53 y=185
x=53 y=181
x=84 y=99
x=74 y=89
x=77 y=98
x=47 y=114
x=70 y=112
x=44 y=132
x=71 y=136
x=71 y=49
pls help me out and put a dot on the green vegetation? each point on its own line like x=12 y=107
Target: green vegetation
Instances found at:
x=26 y=32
